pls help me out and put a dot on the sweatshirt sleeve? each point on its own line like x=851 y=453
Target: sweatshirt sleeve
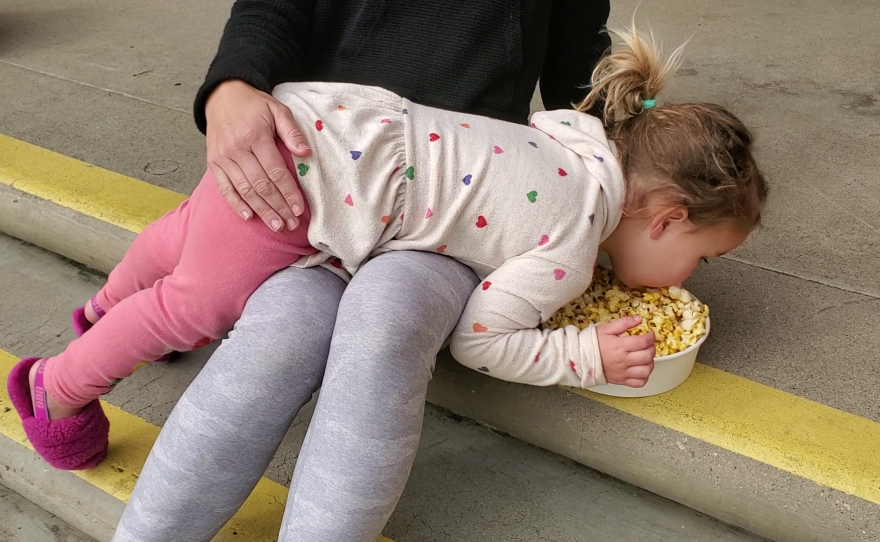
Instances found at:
x=498 y=332
x=576 y=44
x=264 y=43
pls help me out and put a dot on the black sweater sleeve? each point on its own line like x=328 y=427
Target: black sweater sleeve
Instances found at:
x=264 y=43
x=576 y=44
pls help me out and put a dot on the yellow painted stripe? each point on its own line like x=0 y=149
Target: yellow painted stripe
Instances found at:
x=93 y=191
x=809 y=439
x=130 y=442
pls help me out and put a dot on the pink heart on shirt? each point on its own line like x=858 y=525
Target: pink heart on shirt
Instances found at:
x=559 y=274
x=349 y=201
x=429 y=214
x=544 y=240
x=385 y=121
x=497 y=150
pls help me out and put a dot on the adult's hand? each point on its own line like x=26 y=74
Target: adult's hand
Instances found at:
x=242 y=155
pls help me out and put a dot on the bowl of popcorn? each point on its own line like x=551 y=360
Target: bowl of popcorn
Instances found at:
x=679 y=321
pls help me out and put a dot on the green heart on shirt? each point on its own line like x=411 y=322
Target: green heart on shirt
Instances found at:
x=410 y=172
x=532 y=196
x=303 y=169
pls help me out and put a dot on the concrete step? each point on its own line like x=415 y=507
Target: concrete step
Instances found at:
x=468 y=483
x=23 y=521
x=795 y=463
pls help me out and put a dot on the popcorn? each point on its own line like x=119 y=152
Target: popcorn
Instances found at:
x=677 y=319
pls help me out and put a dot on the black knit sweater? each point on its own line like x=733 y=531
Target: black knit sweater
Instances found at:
x=475 y=56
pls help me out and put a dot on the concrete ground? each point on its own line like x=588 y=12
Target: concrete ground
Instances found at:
x=111 y=83
x=23 y=521
x=468 y=482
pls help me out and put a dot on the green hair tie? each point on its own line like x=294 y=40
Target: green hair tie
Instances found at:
x=648 y=104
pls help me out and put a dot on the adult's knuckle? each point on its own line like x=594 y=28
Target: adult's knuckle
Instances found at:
x=264 y=187
x=245 y=189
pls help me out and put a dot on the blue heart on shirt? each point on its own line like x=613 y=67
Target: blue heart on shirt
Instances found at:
x=355 y=155
x=467 y=180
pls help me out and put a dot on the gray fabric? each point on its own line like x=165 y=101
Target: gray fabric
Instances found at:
x=391 y=321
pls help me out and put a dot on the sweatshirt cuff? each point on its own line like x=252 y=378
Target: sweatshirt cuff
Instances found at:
x=591 y=360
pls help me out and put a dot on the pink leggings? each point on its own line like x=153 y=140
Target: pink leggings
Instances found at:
x=182 y=284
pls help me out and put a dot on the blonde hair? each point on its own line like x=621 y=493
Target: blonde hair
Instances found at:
x=696 y=155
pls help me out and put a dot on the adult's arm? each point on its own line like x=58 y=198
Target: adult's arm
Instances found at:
x=264 y=43
x=577 y=42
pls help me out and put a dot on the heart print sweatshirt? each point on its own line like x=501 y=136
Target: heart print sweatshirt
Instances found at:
x=524 y=207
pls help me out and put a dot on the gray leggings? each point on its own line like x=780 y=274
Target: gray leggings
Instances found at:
x=370 y=347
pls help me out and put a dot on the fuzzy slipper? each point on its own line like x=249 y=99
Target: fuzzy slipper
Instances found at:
x=81 y=324
x=76 y=443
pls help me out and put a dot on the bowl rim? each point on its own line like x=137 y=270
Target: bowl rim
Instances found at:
x=695 y=346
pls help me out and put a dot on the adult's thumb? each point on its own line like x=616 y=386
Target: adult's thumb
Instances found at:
x=289 y=132
x=616 y=327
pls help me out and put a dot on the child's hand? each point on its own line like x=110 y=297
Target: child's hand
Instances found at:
x=628 y=361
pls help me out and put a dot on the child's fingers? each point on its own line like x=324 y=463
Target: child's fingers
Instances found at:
x=642 y=357
x=635 y=382
x=640 y=371
x=621 y=325
x=637 y=343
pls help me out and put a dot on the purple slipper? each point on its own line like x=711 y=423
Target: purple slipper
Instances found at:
x=76 y=443
x=81 y=324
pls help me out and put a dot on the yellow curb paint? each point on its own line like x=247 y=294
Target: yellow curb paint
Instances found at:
x=130 y=442
x=808 y=439
x=119 y=200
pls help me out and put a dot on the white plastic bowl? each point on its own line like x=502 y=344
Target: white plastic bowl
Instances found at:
x=669 y=372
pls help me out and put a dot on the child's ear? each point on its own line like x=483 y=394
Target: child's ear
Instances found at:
x=664 y=219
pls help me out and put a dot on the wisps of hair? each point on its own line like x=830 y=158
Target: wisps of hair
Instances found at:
x=634 y=72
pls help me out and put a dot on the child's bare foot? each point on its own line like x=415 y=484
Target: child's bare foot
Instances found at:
x=90 y=313
x=57 y=411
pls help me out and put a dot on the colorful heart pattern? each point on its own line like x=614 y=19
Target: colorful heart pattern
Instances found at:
x=562 y=172
x=433 y=137
x=355 y=154
x=467 y=180
x=429 y=213
x=481 y=222
x=592 y=217
x=410 y=172
x=533 y=144
x=386 y=219
x=533 y=196
x=486 y=285
x=349 y=201
x=465 y=125
x=341 y=108
x=484 y=369
x=544 y=240
x=319 y=125
x=558 y=274
x=565 y=122
x=479 y=328
x=497 y=150
x=441 y=249
x=303 y=169
x=385 y=121
x=573 y=366
x=599 y=158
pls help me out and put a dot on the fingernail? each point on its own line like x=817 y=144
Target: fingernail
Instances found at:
x=276 y=224
x=297 y=210
x=245 y=215
x=291 y=224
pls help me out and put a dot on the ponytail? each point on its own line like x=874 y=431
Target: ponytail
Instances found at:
x=628 y=80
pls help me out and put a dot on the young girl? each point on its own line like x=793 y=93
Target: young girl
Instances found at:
x=527 y=208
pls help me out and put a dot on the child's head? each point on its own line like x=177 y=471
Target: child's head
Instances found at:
x=693 y=189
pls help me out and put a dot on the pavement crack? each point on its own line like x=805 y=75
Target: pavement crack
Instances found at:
x=93 y=87
x=814 y=280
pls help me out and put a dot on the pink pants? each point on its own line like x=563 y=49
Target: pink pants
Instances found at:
x=182 y=284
